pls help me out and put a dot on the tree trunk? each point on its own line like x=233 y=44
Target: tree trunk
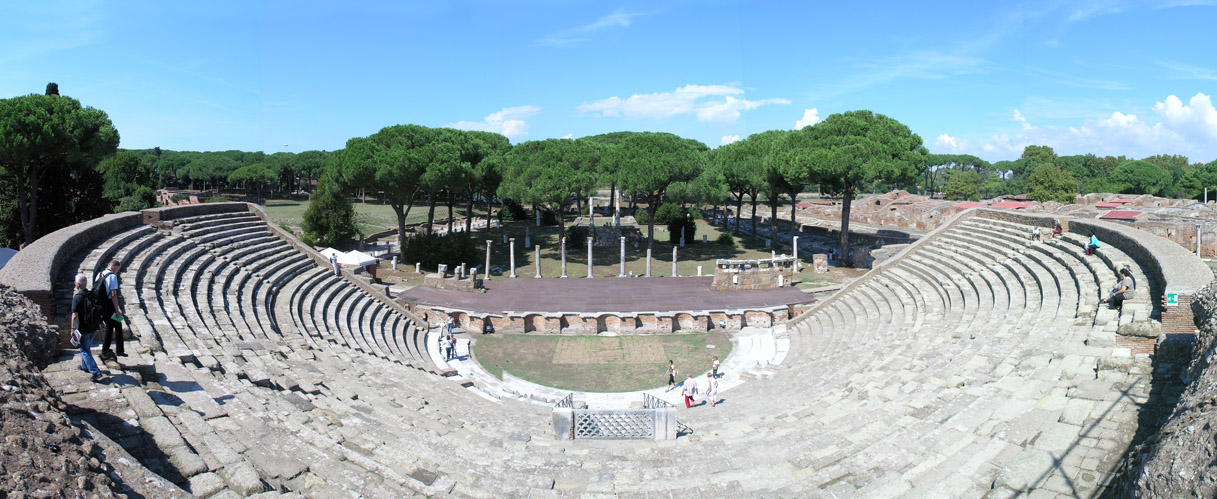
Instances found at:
x=794 y=201
x=846 y=199
x=488 y=210
x=450 y=201
x=613 y=198
x=430 y=211
x=773 y=220
x=752 y=216
x=401 y=217
x=739 y=211
x=469 y=216
x=651 y=222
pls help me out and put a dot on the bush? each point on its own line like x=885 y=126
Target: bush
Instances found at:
x=725 y=238
x=177 y=198
x=142 y=199
x=512 y=211
x=687 y=225
x=433 y=249
x=576 y=238
x=217 y=199
x=549 y=218
x=669 y=212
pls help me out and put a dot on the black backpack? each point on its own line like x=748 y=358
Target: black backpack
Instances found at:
x=99 y=291
x=92 y=311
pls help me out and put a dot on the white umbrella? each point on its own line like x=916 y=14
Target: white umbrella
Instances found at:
x=356 y=258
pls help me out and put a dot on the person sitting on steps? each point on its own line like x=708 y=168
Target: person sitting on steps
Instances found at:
x=1093 y=245
x=1125 y=290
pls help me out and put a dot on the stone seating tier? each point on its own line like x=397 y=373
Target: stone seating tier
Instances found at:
x=958 y=369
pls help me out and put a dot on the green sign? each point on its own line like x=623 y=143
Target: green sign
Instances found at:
x=1172 y=299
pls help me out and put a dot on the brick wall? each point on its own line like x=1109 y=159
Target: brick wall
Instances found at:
x=1179 y=319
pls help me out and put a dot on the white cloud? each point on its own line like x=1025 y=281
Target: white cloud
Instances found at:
x=582 y=33
x=947 y=144
x=700 y=100
x=1197 y=119
x=727 y=139
x=1094 y=8
x=810 y=117
x=1189 y=129
x=1018 y=116
x=509 y=122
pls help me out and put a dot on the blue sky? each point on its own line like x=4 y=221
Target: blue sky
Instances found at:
x=986 y=78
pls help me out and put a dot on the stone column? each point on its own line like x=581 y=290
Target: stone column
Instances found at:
x=796 y=253
x=622 y=273
x=537 y=262
x=487 y=260
x=589 y=257
x=591 y=212
x=699 y=271
x=617 y=210
x=418 y=268
x=682 y=237
x=673 y=262
x=648 y=262
x=512 y=248
x=527 y=237
x=562 y=249
x=538 y=212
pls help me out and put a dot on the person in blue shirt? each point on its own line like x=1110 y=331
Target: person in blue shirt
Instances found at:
x=112 y=313
x=1092 y=245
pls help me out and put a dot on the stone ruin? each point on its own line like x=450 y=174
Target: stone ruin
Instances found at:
x=1173 y=219
x=766 y=273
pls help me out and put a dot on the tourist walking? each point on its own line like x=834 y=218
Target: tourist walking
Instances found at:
x=334 y=263
x=84 y=326
x=689 y=389
x=714 y=367
x=712 y=389
x=451 y=347
x=671 y=376
x=449 y=325
x=112 y=312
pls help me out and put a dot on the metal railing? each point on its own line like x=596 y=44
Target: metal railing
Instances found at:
x=652 y=402
x=567 y=402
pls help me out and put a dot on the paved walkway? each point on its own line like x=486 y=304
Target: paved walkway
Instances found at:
x=666 y=294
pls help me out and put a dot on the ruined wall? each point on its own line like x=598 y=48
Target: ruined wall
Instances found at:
x=44 y=454
x=1178 y=461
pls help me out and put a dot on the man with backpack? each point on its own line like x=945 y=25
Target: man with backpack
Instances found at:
x=106 y=290
x=86 y=317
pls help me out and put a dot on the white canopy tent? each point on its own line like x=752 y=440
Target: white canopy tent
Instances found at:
x=356 y=258
x=331 y=251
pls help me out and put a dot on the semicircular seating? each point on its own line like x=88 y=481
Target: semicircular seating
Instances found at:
x=978 y=362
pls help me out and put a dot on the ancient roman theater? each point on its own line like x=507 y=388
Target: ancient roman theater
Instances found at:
x=974 y=362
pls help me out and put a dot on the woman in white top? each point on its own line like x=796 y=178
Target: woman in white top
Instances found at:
x=714 y=367
x=712 y=388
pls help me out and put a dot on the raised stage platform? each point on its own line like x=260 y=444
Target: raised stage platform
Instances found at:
x=608 y=304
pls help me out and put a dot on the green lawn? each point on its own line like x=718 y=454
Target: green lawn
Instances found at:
x=373 y=217
x=600 y=363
